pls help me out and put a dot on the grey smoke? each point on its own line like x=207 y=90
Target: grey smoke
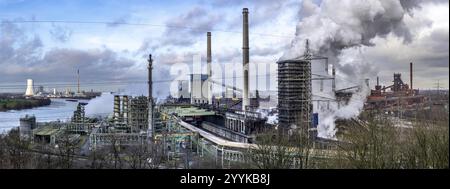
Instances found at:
x=337 y=29
x=336 y=25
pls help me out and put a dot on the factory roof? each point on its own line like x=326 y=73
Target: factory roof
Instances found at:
x=46 y=131
x=191 y=111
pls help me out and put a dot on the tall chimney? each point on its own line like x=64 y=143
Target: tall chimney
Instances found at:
x=208 y=64
x=333 y=84
x=378 y=81
x=150 y=129
x=78 y=76
x=411 y=75
x=245 y=49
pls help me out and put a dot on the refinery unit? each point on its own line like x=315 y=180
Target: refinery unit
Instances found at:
x=31 y=92
x=399 y=94
x=220 y=126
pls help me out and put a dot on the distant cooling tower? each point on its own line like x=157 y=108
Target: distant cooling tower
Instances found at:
x=29 y=91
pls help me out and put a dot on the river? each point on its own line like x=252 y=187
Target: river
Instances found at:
x=59 y=109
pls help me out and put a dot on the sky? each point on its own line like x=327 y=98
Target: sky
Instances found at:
x=109 y=41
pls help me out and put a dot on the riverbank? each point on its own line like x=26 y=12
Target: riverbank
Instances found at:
x=7 y=104
x=59 y=109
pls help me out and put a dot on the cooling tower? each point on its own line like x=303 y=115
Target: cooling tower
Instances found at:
x=29 y=91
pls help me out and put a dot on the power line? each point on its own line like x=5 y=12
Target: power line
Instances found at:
x=143 y=24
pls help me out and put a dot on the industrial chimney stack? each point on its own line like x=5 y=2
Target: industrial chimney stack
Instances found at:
x=78 y=78
x=208 y=64
x=150 y=129
x=411 y=75
x=245 y=52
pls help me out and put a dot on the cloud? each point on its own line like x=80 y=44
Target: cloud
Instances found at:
x=60 y=33
x=118 y=21
x=23 y=56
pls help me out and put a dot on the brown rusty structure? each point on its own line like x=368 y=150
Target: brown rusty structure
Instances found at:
x=400 y=94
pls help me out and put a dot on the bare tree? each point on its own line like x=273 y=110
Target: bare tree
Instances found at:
x=114 y=152
x=137 y=155
x=66 y=147
x=98 y=159
x=273 y=151
x=16 y=150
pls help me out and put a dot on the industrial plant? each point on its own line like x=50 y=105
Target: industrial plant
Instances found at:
x=225 y=128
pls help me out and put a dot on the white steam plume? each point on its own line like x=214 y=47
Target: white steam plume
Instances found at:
x=338 y=29
x=100 y=106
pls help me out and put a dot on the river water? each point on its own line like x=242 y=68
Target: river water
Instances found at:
x=59 y=109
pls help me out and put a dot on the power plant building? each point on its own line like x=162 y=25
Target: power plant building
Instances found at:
x=199 y=85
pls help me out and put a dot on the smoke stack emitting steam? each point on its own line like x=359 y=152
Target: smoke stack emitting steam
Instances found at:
x=337 y=29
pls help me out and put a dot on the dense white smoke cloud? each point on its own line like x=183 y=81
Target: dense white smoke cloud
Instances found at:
x=100 y=106
x=339 y=29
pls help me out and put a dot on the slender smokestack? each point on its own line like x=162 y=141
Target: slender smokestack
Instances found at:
x=208 y=64
x=245 y=52
x=411 y=75
x=150 y=129
x=78 y=77
x=334 y=78
x=378 y=81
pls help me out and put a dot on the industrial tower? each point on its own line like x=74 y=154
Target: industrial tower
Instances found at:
x=208 y=66
x=245 y=59
x=150 y=131
x=294 y=92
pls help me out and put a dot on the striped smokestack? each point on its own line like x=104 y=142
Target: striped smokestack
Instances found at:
x=245 y=54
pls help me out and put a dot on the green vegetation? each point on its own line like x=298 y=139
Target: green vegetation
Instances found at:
x=19 y=104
